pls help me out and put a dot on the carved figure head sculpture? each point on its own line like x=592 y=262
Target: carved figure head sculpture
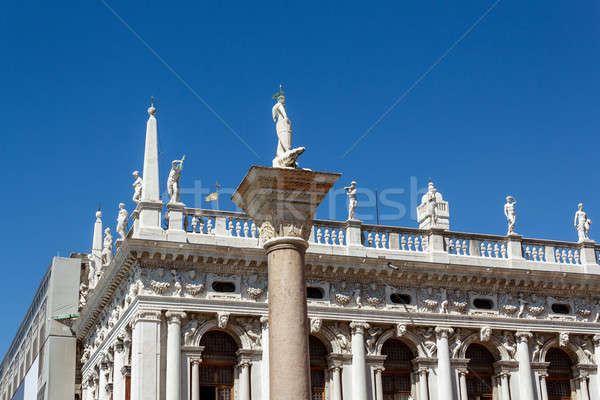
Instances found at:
x=136 y=174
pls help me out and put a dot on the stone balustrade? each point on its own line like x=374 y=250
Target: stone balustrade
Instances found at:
x=337 y=234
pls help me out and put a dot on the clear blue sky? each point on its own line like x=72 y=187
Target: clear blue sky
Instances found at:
x=512 y=109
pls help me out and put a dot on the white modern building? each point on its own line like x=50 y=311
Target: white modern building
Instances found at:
x=180 y=312
x=40 y=362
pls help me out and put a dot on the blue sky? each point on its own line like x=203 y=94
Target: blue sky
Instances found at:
x=511 y=109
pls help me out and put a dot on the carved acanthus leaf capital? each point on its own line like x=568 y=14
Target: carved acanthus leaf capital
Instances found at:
x=175 y=317
x=523 y=336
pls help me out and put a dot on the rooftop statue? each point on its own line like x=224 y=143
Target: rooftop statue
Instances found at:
x=352 y=202
x=510 y=213
x=582 y=223
x=285 y=156
x=433 y=212
x=122 y=220
x=107 y=251
x=137 y=187
x=173 y=180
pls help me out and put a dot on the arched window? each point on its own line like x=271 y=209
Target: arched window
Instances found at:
x=559 y=377
x=216 y=370
x=318 y=364
x=396 y=377
x=480 y=371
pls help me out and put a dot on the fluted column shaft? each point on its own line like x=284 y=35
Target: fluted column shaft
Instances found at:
x=145 y=356
x=264 y=322
x=443 y=356
x=359 y=367
x=174 y=355
x=525 y=381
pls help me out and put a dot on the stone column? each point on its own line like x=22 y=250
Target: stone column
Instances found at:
x=244 y=389
x=525 y=381
x=583 y=384
x=335 y=371
x=359 y=366
x=118 y=364
x=543 y=386
x=462 y=378
x=443 y=356
x=423 y=392
x=264 y=322
x=94 y=388
x=196 y=379
x=145 y=356
x=103 y=393
x=505 y=386
x=174 y=354
x=379 y=382
x=596 y=340
x=283 y=202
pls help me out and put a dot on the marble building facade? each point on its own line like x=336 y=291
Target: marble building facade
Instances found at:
x=179 y=310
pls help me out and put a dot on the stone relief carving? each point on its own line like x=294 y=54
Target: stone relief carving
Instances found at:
x=371 y=339
x=485 y=334
x=457 y=341
x=342 y=293
x=428 y=343
x=255 y=286
x=509 y=304
x=586 y=345
x=458 y=300
x=189 y=330
x=222 y=319
x=315 y=325
x=537 y=346
x=563 y=339
x=341 y=331
x=83 y=294
x=509 y=343
x=583 y=308
x=374 y=295
x=536 y=306
x=251 y=327
x=429 y=300
x=401 y=330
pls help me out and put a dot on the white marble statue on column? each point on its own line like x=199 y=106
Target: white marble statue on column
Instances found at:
x=582 y=223
x=286 y=156
x=433 y=212
x=122 y=220
x=510 y=213
x=352 y=202
x=173 y=180
x=137 y=187
x=107 y=248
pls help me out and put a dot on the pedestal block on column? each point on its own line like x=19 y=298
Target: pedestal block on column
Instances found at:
x=282 y=202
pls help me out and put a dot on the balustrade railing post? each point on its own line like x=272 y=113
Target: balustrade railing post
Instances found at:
x=587 y=252
x=514 y=248
x=394 y=241
x=220 y=225
x=175 y=230
x=549 y=254
x=353 y=233
x=435 y=243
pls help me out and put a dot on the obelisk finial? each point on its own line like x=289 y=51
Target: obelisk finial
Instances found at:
x=151 y=109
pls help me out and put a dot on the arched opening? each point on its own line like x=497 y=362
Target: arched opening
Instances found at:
x=559 y=377
x=480 y=370
x=216 y=370
x=318 y=364
x=396 y=377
